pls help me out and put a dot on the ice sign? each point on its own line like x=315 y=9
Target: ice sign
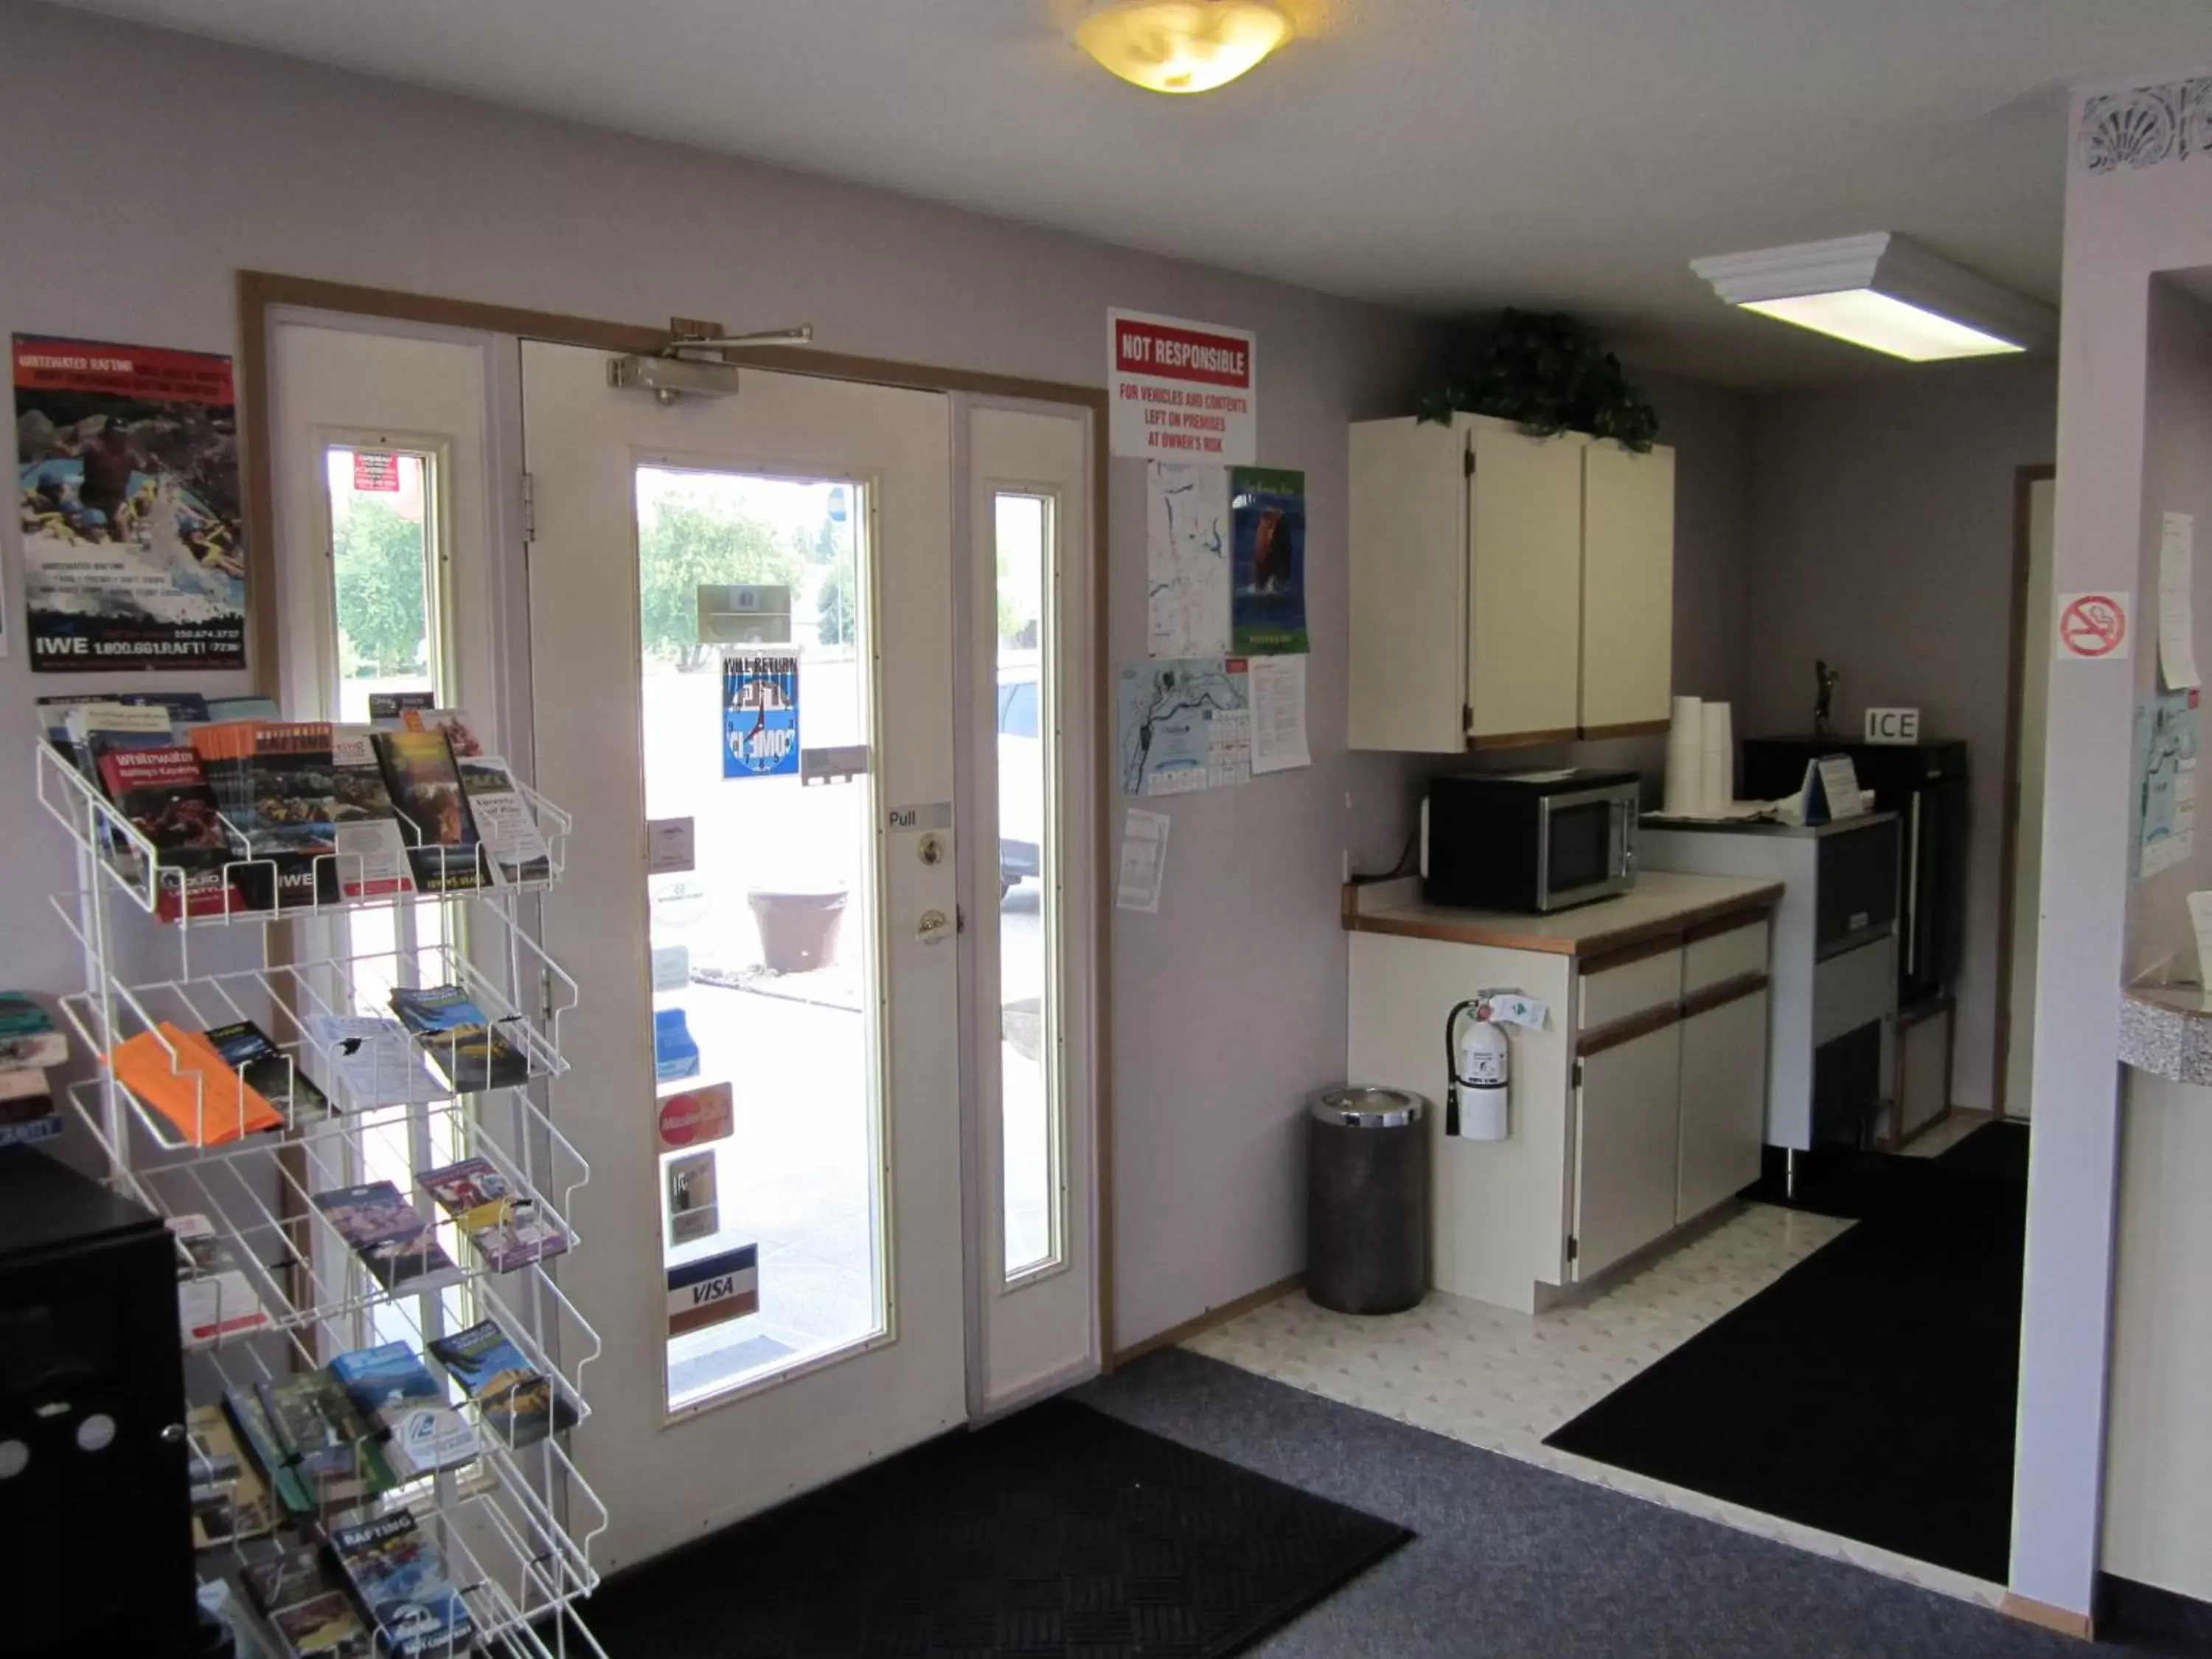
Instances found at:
x=760 y=714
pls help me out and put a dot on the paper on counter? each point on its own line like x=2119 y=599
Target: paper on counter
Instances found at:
x=1276 y=689
x=2200 y=919
x=1840 y=787
x=2177 y=624
x=1144 y=861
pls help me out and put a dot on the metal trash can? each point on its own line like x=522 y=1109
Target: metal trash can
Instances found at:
x=1367 y=1200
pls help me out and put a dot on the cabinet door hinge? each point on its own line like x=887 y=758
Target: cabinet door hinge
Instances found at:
x=1468 y=460
x=529 y=508
x=1578 y=1073
x=1467 y=720
x=1574 y=1247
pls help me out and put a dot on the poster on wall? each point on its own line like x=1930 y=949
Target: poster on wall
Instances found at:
x=1181 y=390
x=134 y=549
x=760 y=714
x=1268 y=542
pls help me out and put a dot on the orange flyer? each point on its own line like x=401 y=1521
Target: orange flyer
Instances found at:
x=194 y=1089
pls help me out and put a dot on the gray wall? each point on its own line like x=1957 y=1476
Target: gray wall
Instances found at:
x=129 y=226
x=2177 y=478
x=1883 y=519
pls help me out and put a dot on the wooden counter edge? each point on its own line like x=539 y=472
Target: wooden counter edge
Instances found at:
x=1593 y=948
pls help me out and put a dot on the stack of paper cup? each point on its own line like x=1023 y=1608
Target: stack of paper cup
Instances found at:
x=1718 y=759
x=1685 y=760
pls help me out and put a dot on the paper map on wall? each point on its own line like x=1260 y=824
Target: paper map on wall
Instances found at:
x=1187 y=557
x=1186 y=724
x=2165 y=781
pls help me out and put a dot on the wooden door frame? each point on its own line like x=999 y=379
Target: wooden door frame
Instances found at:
x=261 y=292
x=2024 y=481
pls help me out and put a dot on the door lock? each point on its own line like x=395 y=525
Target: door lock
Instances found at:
x=932 y=849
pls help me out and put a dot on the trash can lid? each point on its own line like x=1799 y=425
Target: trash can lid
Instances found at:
x=1357 y=1106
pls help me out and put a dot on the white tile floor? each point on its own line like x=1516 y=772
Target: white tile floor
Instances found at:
x=1504 y=1381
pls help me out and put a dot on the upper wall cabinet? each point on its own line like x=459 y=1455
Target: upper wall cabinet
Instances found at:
x=1507 y=591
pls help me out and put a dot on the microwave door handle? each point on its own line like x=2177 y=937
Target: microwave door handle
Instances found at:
x=1424 y=839
x=1624 y=830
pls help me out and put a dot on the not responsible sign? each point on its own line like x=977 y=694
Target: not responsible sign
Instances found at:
x=1182 y=391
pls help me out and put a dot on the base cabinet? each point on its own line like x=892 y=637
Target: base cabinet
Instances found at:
x=1723 y=1102
x=1627 y=1125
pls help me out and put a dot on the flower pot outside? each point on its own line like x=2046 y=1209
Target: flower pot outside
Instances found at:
x=798 y=931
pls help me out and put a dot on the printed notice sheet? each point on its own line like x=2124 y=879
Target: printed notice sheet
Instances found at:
x=2165 y=781
x=1277 y=687
x=2176 y=610
x=1186 y=724
x=1186 y=559
x=1144 y=862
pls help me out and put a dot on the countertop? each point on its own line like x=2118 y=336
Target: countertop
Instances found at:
x=1663 y=903
x=2166 y=1030
x=1658 y=820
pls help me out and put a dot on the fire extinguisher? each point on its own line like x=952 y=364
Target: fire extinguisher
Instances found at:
x=1478 y=1063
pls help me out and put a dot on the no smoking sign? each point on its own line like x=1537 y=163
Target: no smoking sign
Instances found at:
x=2094 y=626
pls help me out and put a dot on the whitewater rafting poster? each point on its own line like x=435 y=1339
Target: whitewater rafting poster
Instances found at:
x=134 y=554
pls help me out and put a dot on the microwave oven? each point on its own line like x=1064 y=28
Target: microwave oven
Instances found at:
x=1531 y=842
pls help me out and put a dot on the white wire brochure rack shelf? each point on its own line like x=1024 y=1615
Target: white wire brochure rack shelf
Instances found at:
x=341 y=881
x=356 y=1099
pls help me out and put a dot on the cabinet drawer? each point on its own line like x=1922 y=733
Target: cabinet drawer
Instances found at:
x=1721 y=956
x=1637 y=982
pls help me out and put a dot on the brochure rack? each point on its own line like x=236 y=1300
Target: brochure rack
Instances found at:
x=516 y=1523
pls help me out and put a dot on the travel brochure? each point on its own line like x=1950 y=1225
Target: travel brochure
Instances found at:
x=215 y=1301
x=389 y=1235
x=392 y=1388
x=471 y=1051
x=507 y=1229
x=29 y=1044
x=516 y=1401
x=400 y=1575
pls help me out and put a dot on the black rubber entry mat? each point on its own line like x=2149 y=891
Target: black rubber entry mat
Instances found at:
x=1871 y=1391
x=1061 y=1533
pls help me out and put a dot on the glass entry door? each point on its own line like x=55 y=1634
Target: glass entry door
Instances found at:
x=741 y=635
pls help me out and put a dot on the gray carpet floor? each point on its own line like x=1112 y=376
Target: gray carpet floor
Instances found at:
x=1515 y=1560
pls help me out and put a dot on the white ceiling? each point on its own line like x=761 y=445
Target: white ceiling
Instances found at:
x=1450 y=154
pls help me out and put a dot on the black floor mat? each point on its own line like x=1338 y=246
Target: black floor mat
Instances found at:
x=1871 y=1391
x=1058 y=1534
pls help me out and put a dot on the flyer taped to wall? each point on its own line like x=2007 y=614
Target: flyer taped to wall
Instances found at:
x=1267 y=536
x=134 y=548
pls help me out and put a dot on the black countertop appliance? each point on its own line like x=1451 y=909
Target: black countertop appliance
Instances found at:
x=95 y=1515
x=1925 y=785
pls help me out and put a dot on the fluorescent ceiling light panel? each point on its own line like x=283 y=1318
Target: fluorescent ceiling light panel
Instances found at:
x=1884 y=292
x=1868 y=316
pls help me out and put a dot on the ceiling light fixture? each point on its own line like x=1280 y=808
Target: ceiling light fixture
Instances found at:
x=1884 y=292
x=1182 y=45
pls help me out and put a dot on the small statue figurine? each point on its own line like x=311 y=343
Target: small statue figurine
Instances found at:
x=1824 y=705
